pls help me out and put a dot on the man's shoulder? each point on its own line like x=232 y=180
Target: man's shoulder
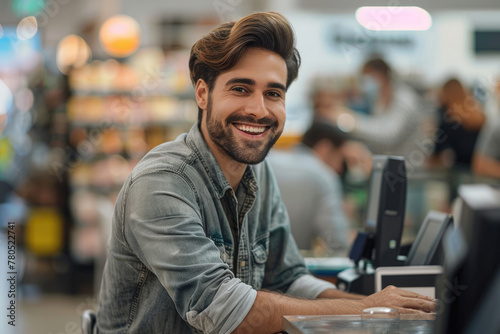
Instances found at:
x=168 y=156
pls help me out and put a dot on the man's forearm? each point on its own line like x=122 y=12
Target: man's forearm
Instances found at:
x=266 y=314
x=333 y=293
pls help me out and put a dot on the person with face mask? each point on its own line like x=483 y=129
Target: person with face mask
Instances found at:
x=394 y=122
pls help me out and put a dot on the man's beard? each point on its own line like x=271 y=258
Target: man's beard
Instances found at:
x=243 y=151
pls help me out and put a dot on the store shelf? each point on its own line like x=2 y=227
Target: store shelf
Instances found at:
x=118 y=112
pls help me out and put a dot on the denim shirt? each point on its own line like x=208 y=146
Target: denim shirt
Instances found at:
x=170 y=255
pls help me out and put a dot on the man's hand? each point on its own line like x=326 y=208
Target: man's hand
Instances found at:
x=402 y=300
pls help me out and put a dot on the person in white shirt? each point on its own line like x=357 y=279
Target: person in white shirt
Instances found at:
x=308 y=178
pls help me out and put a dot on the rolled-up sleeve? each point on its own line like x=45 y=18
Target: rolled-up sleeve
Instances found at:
x=163 y=227
x=229 y=307
x=308 y=286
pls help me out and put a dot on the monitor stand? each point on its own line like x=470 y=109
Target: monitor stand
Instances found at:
x=356 y=280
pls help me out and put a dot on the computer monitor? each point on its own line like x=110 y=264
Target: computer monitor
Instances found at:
x=427 y=247
x=386 y=209
x=472 y=260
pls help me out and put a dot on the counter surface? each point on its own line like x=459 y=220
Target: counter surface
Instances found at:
x=412 y=324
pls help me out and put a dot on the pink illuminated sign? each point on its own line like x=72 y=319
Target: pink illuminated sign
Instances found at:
x=394 y=18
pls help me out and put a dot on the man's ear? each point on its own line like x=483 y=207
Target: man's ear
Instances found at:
x=201 y=92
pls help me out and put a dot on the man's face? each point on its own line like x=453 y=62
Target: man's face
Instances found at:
x=246 y=108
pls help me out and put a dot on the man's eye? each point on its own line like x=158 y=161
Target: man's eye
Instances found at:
x=239 y=89
x=274 y=94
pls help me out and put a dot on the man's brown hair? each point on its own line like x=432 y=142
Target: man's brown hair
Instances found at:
x=221 y=49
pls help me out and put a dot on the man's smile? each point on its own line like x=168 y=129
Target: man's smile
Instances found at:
x=252 y=130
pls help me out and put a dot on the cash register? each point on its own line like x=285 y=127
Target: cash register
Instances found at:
x=376 y=250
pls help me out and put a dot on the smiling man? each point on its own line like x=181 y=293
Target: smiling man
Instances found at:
x=200 y=238
x=250 y=110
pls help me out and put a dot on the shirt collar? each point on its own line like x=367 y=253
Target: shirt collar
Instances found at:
x=249 y=179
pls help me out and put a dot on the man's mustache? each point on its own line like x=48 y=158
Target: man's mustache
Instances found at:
x=266 y=121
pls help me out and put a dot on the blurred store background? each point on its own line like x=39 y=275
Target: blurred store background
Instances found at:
x=88 y=87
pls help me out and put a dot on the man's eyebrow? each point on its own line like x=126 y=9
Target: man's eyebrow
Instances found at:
x=277 y=85
x=251 y=82
x=241 y=81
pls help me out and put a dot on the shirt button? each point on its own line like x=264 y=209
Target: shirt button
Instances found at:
x=243 y=263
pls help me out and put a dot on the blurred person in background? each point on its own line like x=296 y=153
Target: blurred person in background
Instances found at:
x=200 y=238
x=324 y=96
x=329 y=94
x=310 y=187
x=394 y=124
x=460 y=120
x=486 y=157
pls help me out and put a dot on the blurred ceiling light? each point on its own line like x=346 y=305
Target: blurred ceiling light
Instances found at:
x=72 y=51
x=396 y=18
x=27 y=28
x=120 y=36
x=6 y=98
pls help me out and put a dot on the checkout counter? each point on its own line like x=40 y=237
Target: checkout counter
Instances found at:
x=445 y=255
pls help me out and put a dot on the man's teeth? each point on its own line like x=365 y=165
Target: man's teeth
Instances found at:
x=251 y=129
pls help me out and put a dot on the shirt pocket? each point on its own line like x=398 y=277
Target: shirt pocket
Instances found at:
x=260 y=250
x=225 y=249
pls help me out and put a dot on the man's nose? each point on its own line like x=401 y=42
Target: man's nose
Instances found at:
x=256 y=106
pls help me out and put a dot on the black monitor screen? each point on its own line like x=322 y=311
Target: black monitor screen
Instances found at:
x=373 y=201
x=428 y=241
